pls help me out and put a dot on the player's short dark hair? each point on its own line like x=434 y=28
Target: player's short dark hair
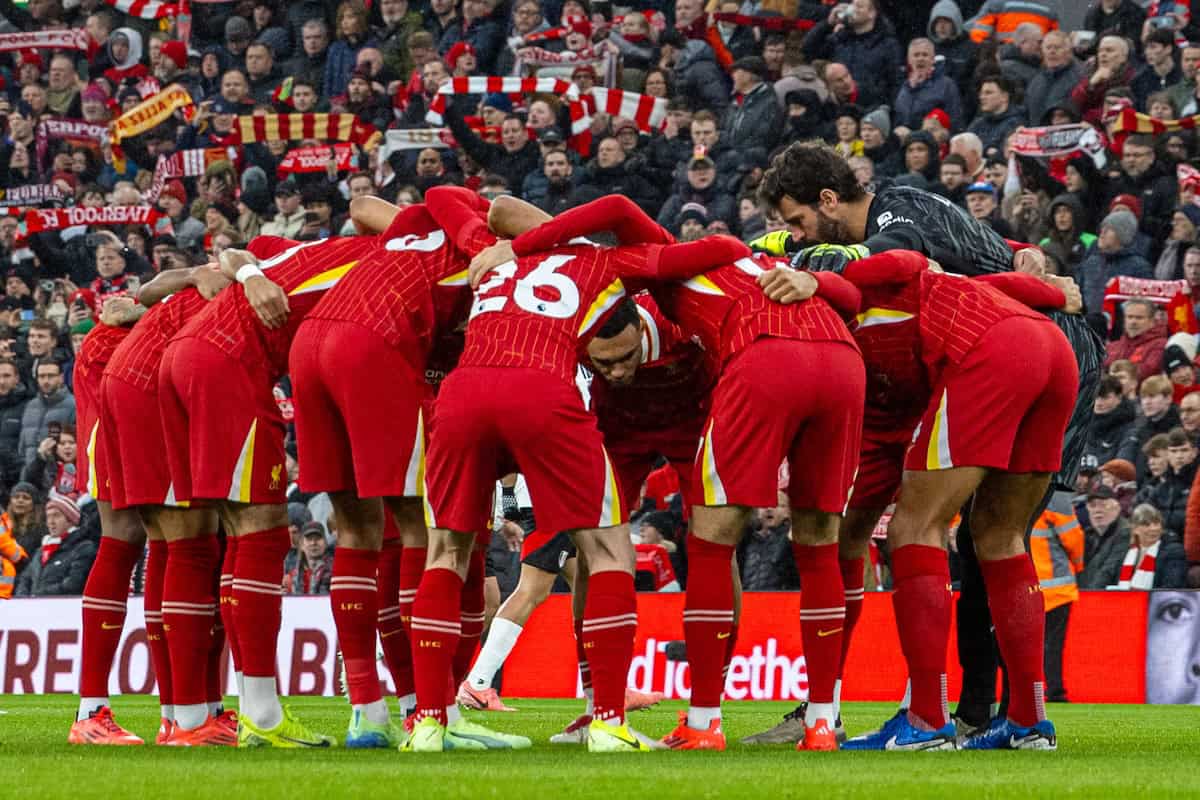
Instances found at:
x=1109 y=385
x=1178 y=437
x=803 y=170
x=623 y=316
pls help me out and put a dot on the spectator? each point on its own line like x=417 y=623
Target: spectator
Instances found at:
x=1178 y=366
x=52 y=469
x=1158 y=469
x=879 y=143
x=309 y=64
x=61 y=564
x=1021 y=58
x=694 y=68
x=1051 y=85
x=608 y=174
x=41 y=344
x=514 y=158
x=558 y=170
x=724 y=153
x=1143 y=338
x=981 y=203
x=52 y=406
x=289 y=215
x=314 y=568
x=478 y=29
x=999 y=19
x=1183 y=93
x=1171 y=496
x=1065 y=223
x=701 y=187
x=1106 y=539
x=1056 y=545
x=1184 y=224
x=752 y=119
x=13 y=558
x=24 y=517
x=857 y=36
x=952 y=180
x=263 y=77
x=1155 y=558
x=997 y=116
x=298 y=517
x=13 y=399
x=765 y=553
x=1119 y=17
x=1189 y=415
x=1112 y=69
x=1111 y=256
x=923 y=90
x=1160 y=70
x=1114 y=418
x=1159 y=415
x=921 y=165
x=951 y=42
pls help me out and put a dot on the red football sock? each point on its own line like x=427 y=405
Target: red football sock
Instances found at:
x=412 y=569
x=472 y=619
x=188 y=608
x=609 y=625
x=1015 y=599
x=822 y=616
x=392 y=636
x=156 y=640
x=104 y=598
x=921 y=575
x=225 y=595
x=731 y=645
x=585 y=672
x=852 y=583
x=216 y=660
x=435 y=628
x=257 y=597
x=708 y=618
x=353 y=596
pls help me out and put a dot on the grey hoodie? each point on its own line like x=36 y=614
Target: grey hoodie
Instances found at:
x=950 y=10
x=135 y=48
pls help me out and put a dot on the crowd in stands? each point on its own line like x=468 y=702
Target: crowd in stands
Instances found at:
x=1080 y=141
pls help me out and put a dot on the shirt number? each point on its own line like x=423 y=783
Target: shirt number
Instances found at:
x=422 y=244
x=544 y=276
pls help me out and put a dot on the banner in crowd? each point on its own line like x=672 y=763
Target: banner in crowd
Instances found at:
x=765 y=23
x=55 y=219
x=29 y=195
x=315 y=159
x=186 y=164
x=1188 y=178
x=1054 y=141
x=76 y=39
x=290 y=127
x=75 y=131
x=510 y=86
x=1127 y=121
x=415 y=139
x=1122 y=647
x=146 y=9
x=150 y=113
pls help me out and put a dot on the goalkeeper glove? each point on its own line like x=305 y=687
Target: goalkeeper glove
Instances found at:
x=829 y=257
x=775 y=243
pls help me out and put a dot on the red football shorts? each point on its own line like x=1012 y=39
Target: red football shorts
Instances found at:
x=487 y=418
x=634 y=460
x=880 y=467
x=135 y=459
x=91 y=468
x=1006 y=406
x=360 y=425
x=221 y=426
x=783 y=399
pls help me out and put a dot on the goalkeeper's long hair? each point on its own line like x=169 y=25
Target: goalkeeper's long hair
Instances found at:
x=803 y=170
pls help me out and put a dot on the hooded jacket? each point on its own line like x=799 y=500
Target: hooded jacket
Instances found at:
x=958 y=50
x=873 y=58
x=1077 y=244
x=1098 y=267
x=39 y=413
x=130 y=66
x=1049 y=88
x=700 y=79
x=928 y=177
x=993 y=129
x=913 y=103
x=753 y=119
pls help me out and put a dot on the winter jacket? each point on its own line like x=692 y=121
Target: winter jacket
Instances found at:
x=513 y=166
x=310 y=68
x=484 y=34
x=1159 y=192
x=993 y=129
x=1076 y=243
x=1147 y=82
x=339 y=63
x=393 y=42
x=317 y=578
x=1171 y=564
x=12 y=409
x=1109 y=434
x=873 y=58
x=1171 y=496
x=39 y=413
x=1126 y=20
x=64 y=573
x=263 y=89
x=1016 y=66
x=1144 y=431
x=959 y=52
x=1049 y=88
x=619 y=179
x=998 y=19
x=913 y=103
x=700 y=79
x=766 y=561
x=1089 y=99
x=1097 y=268
x=1144 y=350
x=718 y=204
x=753 y=120
x=1103 y=554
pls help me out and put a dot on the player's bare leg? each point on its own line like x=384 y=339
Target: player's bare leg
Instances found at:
x=928 y=503
x=708 y=621
x=122 y=543
x=262 y=542
x=822 y=619
x=189 y=608
x=1002 y=512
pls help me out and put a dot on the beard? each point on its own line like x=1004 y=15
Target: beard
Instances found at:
x=831 y=230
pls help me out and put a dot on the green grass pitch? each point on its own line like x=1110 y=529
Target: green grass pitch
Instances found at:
x=1104 y=751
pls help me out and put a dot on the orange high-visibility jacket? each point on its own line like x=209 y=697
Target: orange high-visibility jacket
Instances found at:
x=999 y=18
x=11 y=554
x=1056 y=547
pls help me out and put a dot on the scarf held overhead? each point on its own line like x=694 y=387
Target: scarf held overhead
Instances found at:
x=152 y=112
x=76 y=39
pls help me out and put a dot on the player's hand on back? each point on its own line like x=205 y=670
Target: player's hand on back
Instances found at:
x=488 y=259
x=1030 y=260
x=268 y=300
x=785 y=285
x=1074 y=304
x=209 y=280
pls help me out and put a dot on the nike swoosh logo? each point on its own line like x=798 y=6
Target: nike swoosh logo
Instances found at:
x=822 y=634
x=724 y=635
x=304 y=743
x=107 y=627
x=390 y=633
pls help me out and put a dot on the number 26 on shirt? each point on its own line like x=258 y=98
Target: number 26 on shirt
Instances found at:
x=493 y=294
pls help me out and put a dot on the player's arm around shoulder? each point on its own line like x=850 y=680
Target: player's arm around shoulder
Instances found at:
x=786 y=285
x=267 y=298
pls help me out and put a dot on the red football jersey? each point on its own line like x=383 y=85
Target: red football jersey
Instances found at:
x=412 y=287
x=96 y=352
x=136 y=360
x=670 y=390
x=305 y=272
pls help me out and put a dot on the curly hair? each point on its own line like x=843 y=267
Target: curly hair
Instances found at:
x=803 y=170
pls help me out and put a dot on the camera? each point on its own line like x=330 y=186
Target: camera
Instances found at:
x=846 y=15
x=1162 y=22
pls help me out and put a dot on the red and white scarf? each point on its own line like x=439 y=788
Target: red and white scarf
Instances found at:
x=186 y=164
x=56 y=219
x=146 y=9
x=1137 y=571
x=76 y=39
x=290 y=127
x=491 y=85
x=540 y=57
x=765 y=23
x=314 y=159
